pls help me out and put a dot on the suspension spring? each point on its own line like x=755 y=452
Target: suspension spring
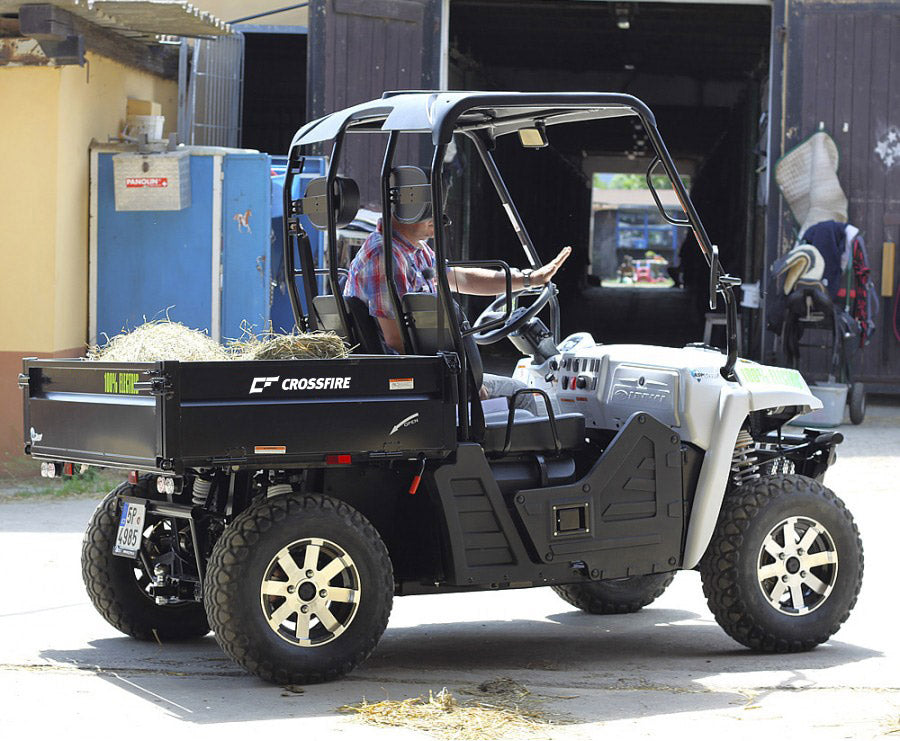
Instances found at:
x=744 y=461
x=278 y=489
x=200 y=492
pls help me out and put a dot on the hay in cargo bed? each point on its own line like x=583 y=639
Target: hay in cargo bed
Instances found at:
x=167 y=340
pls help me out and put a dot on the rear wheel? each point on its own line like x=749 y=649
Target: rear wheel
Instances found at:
x=616 y=596
x=299 y=589
x=784 y=566
x=118 y=586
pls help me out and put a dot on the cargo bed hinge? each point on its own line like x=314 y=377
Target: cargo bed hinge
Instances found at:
x=158 y=385
x=452 y=361
x=24 y=381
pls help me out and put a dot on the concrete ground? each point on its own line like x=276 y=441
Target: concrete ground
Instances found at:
x=668 y=670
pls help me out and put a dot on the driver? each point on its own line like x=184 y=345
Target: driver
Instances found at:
x=414 y=272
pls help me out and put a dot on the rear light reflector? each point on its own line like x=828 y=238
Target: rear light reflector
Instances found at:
x=133 y=477
x=338 y=459
x=165 y=485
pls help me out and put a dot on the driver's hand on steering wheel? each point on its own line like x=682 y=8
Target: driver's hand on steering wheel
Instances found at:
x=545 y=273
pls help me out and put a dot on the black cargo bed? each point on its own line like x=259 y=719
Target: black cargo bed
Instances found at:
x=268 y=413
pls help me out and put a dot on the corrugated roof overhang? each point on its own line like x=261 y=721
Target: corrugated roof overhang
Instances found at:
x=138 y=19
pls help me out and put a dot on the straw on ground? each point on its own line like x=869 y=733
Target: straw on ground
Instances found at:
x=496 y=711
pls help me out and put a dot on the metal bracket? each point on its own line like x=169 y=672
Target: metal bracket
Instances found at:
x=157 y=385
x=165 y=464
x=24 y=381
x=312 y=206
x=452 y=361
x=728 y=280
x=406 y=194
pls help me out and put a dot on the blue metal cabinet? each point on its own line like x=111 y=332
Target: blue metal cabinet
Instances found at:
x=207 y=265
x=313 y=167
x=246 y=243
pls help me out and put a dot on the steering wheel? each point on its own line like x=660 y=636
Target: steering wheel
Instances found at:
x=518 y=318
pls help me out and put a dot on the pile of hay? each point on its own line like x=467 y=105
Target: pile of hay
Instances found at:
x=168 y=340
x=159 y=340
x=294 y=346
x=444 y=716
x=505 y=689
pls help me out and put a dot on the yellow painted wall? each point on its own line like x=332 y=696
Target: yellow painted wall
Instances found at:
x=228 y=10
x=28 y=143
x=50 y=116
x=90 y=107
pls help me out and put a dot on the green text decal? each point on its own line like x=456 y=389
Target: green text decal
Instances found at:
x=767 y=374
x=120 y=383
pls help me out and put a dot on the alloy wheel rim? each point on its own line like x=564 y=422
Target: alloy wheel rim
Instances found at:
x=797 y=566
x=310 y=592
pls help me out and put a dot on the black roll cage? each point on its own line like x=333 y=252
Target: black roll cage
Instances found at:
x=481 y=118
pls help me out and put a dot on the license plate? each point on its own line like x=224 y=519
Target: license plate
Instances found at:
x=131 y=529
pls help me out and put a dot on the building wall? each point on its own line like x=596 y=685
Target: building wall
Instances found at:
x=27 y=238
x=842 y=67
x=54 y=114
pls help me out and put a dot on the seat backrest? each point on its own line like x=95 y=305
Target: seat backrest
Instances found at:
x=367 y=336
x=423 y=307
x=367 y=333
x=327 y=314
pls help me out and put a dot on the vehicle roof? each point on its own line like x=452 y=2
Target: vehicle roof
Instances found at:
x=441 y=113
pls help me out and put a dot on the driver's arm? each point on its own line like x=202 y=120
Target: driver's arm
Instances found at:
x=391 y=333
x=481 y=282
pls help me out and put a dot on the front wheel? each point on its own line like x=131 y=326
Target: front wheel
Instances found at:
x=299 y=589
x=784 y=566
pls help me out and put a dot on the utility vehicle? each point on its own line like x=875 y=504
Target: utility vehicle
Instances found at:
x=284 y=504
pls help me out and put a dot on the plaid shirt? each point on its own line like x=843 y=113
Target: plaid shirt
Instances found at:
x=367 y=279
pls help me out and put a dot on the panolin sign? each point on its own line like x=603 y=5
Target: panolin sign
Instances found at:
x=146 y=182
x=152 y=182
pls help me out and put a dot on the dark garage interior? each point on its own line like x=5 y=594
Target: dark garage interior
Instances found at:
x=274 y=101
x=703 y=71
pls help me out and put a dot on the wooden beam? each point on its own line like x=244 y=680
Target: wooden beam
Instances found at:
x=156 y=59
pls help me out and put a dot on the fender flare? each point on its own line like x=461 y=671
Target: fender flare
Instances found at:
x=735 y=404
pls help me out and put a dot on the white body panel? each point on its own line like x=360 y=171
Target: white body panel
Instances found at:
x=682 y=388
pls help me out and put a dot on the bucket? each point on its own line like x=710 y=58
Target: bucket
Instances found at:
x=834 y=398
x=152 y=126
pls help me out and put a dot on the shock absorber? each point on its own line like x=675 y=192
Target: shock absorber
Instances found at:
x=200 y=492
x=744 y=461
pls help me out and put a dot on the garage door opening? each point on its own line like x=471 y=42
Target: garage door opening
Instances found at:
x=702 y=68
x=631 y=243
x=274 y=100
